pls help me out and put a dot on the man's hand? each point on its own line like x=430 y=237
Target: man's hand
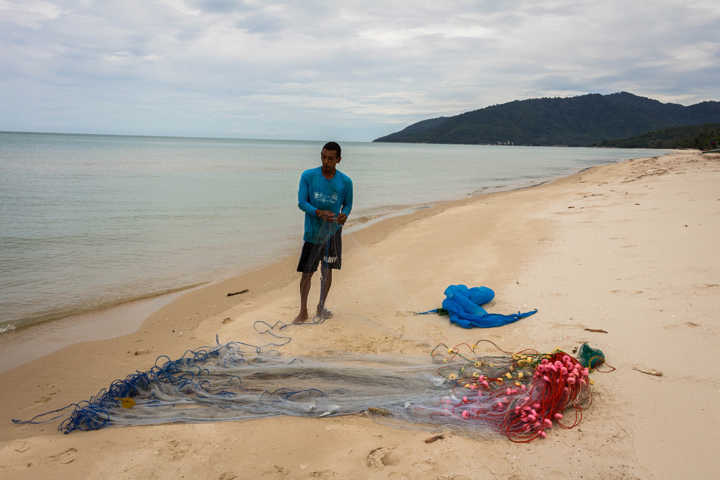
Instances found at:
x=326 y=215
x=341 y=219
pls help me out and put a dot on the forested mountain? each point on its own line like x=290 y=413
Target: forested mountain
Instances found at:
x=578 y=121
x=702 y=137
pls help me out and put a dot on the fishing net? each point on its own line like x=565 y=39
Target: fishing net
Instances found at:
x=474 y=387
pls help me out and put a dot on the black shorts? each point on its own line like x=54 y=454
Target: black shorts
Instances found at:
x=329 y=252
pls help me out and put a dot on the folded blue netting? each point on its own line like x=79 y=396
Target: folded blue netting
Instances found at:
x=463 y=305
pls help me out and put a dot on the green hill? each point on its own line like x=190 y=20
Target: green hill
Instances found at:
x=702 y=137
x=578 y=121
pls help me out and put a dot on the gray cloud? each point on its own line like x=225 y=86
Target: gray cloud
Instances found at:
x=221 y=6
x=353 y=69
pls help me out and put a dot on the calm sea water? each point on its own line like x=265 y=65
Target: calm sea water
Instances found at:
x=88 y=221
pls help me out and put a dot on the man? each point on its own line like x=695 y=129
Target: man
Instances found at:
x=325 y=195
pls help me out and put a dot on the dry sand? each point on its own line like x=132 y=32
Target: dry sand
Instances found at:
x=630 y=248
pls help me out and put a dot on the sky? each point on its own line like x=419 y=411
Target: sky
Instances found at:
x=346 y=70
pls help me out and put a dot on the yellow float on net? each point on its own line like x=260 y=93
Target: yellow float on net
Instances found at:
x=127 y=402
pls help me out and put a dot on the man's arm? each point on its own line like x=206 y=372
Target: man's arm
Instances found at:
x=348 y=200
x=347 y=203
x=304 y=196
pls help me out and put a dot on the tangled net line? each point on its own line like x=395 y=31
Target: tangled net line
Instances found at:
x=520 y=394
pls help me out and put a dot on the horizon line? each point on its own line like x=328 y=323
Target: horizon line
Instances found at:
x=192 y=137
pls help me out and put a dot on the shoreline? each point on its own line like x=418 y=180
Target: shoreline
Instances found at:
x=69 y=312
x=364 y=220
x=42 y=337
x=18 y=347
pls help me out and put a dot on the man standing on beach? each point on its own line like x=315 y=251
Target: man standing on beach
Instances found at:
x=326 y=196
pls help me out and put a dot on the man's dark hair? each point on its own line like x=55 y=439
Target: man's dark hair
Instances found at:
x=333 y=146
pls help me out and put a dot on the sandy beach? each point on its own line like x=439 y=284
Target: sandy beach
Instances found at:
x=630 y=248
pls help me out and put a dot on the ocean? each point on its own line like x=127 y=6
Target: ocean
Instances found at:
x=91 y=221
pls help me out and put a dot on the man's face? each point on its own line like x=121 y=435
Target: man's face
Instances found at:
x=329 y=159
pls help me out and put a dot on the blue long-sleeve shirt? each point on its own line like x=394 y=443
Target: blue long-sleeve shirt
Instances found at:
x=318 y=193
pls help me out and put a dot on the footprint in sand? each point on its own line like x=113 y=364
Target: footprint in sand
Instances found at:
x=43 y=399
x=177 y=449
x=65 y=457
x=47 y=393
x=381 y=457
x=21 y=447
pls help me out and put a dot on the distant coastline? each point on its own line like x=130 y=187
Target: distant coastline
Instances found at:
x=586 y=120
x=700 y=137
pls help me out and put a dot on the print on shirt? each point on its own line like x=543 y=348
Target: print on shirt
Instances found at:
x=321 y=197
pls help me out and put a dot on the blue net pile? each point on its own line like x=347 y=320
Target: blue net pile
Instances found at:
x=464 y=307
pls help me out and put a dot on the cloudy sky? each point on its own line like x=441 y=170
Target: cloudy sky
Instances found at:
x=351 y=70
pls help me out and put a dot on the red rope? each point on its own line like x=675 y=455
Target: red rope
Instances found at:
x=523 y=412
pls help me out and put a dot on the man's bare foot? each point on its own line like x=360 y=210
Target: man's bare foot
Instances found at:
x=324 y=313
x=301 y=318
